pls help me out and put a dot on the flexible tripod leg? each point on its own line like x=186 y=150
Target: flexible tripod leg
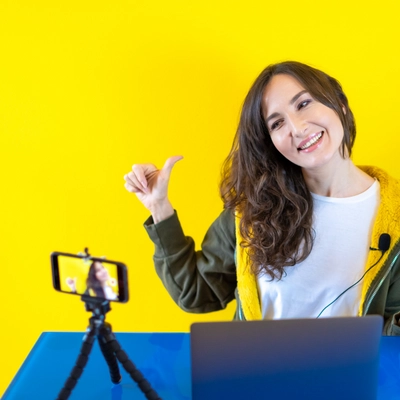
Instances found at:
x=80 y=364
x=128 y=365
x=110 y=358
x=110 y=349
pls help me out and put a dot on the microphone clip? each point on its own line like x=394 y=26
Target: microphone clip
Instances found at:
x=374 y=249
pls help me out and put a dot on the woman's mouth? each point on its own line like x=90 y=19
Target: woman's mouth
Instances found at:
x=311 y=143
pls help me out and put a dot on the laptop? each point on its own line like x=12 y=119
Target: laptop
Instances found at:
x=301 y=359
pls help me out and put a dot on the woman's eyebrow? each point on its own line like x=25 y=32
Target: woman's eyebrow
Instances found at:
x=271 y=116
x=294 y=99
x=297 y=96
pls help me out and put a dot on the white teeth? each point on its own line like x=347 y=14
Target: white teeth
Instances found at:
x=312 y=141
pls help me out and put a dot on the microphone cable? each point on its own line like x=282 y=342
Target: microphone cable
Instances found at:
x=384 y=244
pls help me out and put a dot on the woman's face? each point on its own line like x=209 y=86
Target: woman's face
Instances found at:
x=101 y=272
x=302 y=129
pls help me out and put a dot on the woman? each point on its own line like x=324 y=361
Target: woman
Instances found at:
x=97 y=282
x=305 y=233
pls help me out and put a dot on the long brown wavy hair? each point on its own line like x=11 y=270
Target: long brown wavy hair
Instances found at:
x=267 y=190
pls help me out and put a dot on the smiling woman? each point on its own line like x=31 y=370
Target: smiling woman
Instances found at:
x=300 y=233
x=310 y=134
x=98 y=281
x=300 y=125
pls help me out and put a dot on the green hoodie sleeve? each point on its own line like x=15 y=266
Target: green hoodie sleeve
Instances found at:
x=198 y=281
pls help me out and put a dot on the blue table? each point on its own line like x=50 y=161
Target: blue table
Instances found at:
x=163 y=358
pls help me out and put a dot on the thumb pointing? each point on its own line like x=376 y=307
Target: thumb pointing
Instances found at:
x=169 y=164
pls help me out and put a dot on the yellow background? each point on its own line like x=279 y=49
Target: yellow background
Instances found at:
x=87 y=88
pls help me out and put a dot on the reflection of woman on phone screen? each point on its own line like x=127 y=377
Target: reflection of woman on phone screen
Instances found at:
x=98 y=282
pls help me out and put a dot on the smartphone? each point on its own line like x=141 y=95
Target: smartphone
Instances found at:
x=90 y=276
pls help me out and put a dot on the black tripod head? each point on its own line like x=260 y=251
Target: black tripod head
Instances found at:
x=98 y=306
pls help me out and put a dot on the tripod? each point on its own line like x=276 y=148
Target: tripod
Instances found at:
x=110 y=348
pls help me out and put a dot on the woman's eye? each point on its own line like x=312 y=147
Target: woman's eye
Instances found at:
x=275 y=125
x=303 y=104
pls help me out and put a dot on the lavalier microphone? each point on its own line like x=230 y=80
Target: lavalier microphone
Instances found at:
x=383 y=244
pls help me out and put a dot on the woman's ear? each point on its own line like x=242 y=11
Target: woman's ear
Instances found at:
x=344 y=109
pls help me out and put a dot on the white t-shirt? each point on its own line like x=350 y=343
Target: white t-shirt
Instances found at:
x=343 y=228
x=109 y=293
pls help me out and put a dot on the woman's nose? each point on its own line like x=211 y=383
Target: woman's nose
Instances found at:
x=298 y=125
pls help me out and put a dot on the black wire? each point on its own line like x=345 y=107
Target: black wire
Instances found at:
x=354 y=284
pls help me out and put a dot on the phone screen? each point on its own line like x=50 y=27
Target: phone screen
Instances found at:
x=89 y=276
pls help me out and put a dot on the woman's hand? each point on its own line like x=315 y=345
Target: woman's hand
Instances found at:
x=151 y=187
x=71 y=282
